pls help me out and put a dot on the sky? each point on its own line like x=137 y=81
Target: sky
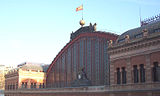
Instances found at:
x=36 y=30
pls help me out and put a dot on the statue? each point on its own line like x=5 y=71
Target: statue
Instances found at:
x=145 y=32
x=82 y=79
x=110 y=43
x=127 y=38
x=82 y=74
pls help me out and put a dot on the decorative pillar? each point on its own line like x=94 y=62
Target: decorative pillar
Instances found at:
x=112 y=73
x=129 y=73
x=148 y=69
x=29 y=84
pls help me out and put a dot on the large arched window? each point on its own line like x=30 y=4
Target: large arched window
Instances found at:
x=156 y=72
x=118 y=76
x=142 y=73
x=25 y=86
x=22 y=85
x=135 y=74
x=32 y=85
x=123 y=75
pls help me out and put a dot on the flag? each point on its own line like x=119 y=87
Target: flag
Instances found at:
x=79 y=8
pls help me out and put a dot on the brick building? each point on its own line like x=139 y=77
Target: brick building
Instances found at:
x=3 y=70
x=88 y=49
x=130 y=66
x=26 y=76
x=135 y=59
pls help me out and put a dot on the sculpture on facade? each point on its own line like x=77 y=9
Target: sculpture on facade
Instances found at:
x=82 y=79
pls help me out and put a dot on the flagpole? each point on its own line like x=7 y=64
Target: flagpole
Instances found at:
x=140 y=15
x=82 y=12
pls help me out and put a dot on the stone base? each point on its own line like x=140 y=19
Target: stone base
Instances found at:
x=81 y=82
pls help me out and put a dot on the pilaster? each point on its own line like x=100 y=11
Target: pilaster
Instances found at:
x=148 y=69
x=112 y=73
x=129 y=67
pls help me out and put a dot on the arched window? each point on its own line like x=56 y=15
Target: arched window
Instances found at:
x=43 y=85
x=123 y=75
x=16 y=85
x=40 y=85
x=142 y=73
x=22 y=84
x=34 y=85
x=31 y=85
x=156 y=72
x=118 y=76
x=135 y=74
x=25 y=86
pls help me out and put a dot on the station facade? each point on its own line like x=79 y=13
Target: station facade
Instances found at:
x=125 y=65
x=87 y=49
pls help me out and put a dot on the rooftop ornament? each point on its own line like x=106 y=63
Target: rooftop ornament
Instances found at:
x=82 y=22
x=150 y=20
x=127 y=38
x=110 y=43
x=145 y=32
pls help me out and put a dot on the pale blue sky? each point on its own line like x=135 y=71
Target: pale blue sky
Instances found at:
x=36 y=30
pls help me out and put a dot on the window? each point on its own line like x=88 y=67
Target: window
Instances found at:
x=138 y=35
x=40 y=86
x=31 y=85
x=118 y=76
x=123 y=75
x=13 y=87
x=16 y=85
x=121 y=40
x=22 y=84
x=135 y=74
x=8 y=87
x=25 y=86
x=43 y=85
x=156 y=72
x=157 y=30
x=34 y=85
x=142 y=73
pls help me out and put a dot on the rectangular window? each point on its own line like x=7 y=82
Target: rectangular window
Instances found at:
x=121 y=40
x=157 y=30
x=138 y=35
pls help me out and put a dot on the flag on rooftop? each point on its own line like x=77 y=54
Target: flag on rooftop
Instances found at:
x=79 y=8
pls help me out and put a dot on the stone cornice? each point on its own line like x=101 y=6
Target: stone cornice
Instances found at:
x=135 y=44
